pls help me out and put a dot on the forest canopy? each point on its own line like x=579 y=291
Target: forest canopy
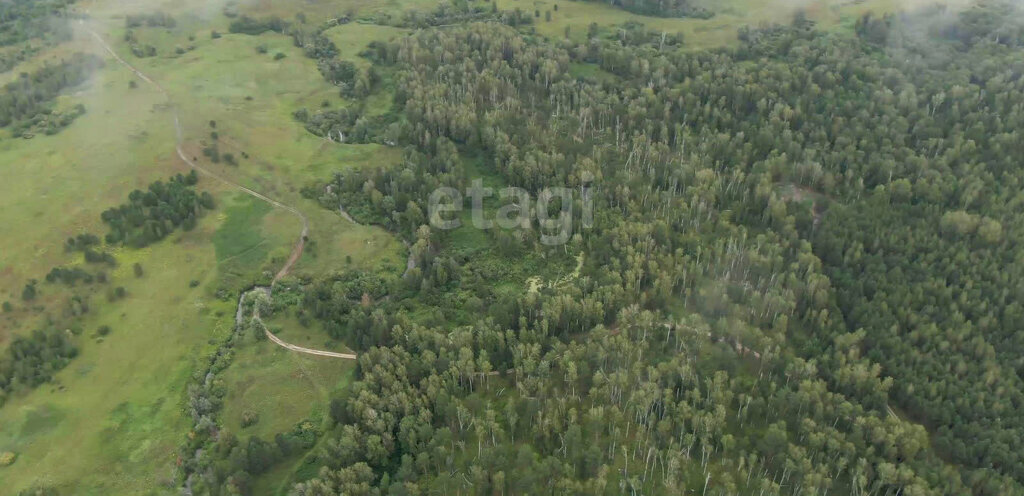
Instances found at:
x=838 y=214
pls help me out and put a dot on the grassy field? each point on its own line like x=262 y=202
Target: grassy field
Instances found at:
x=111 y=421
x=56 y=186
x=282 y=387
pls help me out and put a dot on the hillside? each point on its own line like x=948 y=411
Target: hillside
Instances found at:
x=508 y=247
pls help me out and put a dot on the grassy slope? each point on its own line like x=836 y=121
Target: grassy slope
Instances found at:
x=116 y=411
x=56 y=186
x=254 y=383
x=118 y=406
x=112 y=420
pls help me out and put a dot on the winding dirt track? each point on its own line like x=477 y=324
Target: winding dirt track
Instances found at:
x=299 y=245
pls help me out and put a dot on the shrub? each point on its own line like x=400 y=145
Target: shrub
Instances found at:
x=249 y=419
x=7 y=458
x=29 y=293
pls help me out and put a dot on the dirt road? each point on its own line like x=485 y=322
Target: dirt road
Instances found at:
x=299 y=245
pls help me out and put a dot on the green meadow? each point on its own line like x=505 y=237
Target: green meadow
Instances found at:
x=118 y=411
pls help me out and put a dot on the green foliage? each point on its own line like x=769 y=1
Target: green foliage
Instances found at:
x=48 y=122
x=143 y=51
x=14 y=56
x=886 y=275
x=455 y=12
x=346 y=125
x=250 y=26
x=32 y=360
x=26 y=101
x=29 y=292
x=81 y=242
x=151 y=215
x=92 y=256
x=156 y=19
x=249 y=419
x=663 y=8
x=986 y=20
x=23 y=20
x=69 y=276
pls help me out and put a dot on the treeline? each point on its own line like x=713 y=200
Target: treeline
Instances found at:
x=26 y=101
x=32 y=360
x=48 y=122
x=352 y=82
x=456 y=12
x=252 y=26
x=156 y=19
x=151 y=215
x=662 y=8
x=987 y=21
x=347 y=124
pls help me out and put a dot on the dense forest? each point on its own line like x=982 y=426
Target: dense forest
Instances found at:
x=802 y=275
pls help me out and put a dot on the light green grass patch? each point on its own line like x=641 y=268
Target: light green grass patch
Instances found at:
x=111 y=422
x=353 y=38
x=252 y=231
x=281 y=386
x=287 y=327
